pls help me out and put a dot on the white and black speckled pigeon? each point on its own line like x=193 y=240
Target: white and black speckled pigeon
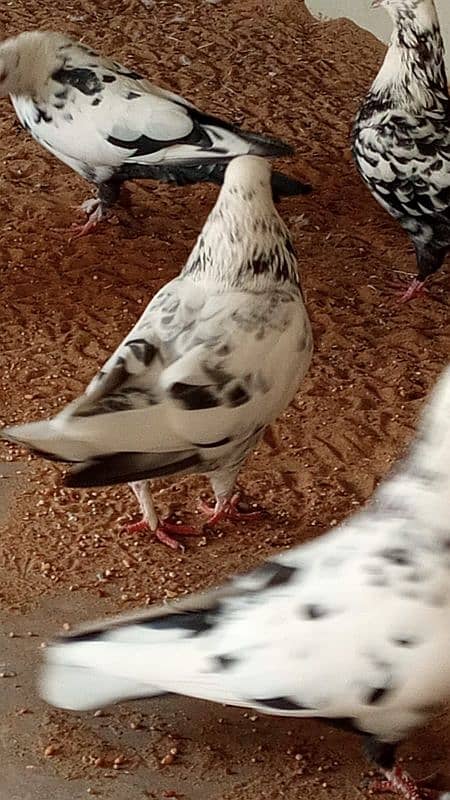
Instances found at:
x=352 y=627
x=216 y=356
x=110 y=124
x=401 y=135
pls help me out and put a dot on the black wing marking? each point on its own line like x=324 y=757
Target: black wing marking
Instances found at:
x=109 y=392
x=144 y=145
x=81 y=78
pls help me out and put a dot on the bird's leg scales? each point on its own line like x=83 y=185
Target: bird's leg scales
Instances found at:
x=227 y=508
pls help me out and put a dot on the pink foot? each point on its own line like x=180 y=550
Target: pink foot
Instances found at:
x=398 y=781
x=227 y=509
x=163 y=531
x=405 y=287
x=95 y=212
x=414 y=289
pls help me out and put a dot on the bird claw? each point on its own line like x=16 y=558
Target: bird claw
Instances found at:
x=414 y=289
x=227 y=510
x=95 y=211
x=163 y=532
x=398 y=781
x=137 y=527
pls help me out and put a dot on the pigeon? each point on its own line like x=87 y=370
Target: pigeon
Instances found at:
x=218 y=353
x=401 y=135
x=352 y=627
x=111 y=125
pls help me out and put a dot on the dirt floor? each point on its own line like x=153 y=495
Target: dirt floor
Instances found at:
x=64 y=556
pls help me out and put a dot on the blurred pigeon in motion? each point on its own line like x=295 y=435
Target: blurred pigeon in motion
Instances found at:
x=401 y=135
x=352 y=627
x=216 y=356
x=111 y=125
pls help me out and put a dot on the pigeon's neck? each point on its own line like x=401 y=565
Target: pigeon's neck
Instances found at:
x=413 y=75
x=243 y=246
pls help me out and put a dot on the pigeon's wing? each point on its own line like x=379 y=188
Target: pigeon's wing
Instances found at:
x=99 y=116
x=199 y=372
x=214 y=363
x=232 y=378
x=121 y=402
x=407 y=163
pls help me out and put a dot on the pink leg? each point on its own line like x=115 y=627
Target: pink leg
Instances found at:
x=398 y=781
x=163 y=531
x=227 y=509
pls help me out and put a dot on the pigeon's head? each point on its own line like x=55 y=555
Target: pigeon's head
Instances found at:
x=8 y=59
x=247 y=177
x=392 y=5
x=16 y=65
x=406 y=9
x=27 y=60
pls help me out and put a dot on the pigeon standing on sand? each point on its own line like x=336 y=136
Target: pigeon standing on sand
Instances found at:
x=111 y=125
x=401 y=135
x=352 y=628
x=216 y=356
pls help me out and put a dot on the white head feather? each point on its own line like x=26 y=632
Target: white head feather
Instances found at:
x=424 y=11
x=27 y=60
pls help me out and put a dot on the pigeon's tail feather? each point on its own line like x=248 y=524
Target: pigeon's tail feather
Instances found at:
x=283 y=186
x=47 y=439
x=80 y=688
x=259 y=144
x=127 y=467
x=186 y=173
x=51 y=440
x=264 y=145
x=141 y=655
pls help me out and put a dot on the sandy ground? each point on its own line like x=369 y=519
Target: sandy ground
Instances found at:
x=64 y=555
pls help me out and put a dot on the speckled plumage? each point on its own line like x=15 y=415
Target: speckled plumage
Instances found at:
x=218 y=353
x=401 y=135
x=352 y=627
x=110 y=124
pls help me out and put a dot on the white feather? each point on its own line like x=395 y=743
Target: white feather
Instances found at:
x=354 y=624
x=91 y=124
